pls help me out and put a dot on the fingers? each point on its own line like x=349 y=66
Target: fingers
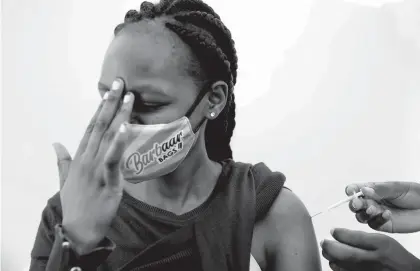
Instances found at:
x=113 y=157
x=359 y=239
x=380 y=190
x=370 y=212
x=122 y=116
x=354 y=188
x=112 y=100
x=335 y=251
x=368 y=190
x=374 y=216
x=82 y=146
x=362 y=217
x=359 y=204
x=371 y=207
x=382 y=222
x=366 y=207
x=63 y=162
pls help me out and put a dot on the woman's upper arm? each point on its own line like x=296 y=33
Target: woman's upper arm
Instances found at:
x=291 y=242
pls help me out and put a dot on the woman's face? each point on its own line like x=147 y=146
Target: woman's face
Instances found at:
x=152 y=62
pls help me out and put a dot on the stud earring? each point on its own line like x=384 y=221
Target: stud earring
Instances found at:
x=212 y=114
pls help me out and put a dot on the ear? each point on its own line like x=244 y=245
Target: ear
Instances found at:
x=217 y=99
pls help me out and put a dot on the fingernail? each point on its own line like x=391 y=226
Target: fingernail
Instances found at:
x=387 y=214
x=123 y=128
x=332 y=231
x=116 y=84
x=105 y=96
x=127 y=98
x=353 y=203
x=347 y=190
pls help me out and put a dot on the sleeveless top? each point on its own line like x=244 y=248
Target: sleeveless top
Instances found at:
x=217 y=235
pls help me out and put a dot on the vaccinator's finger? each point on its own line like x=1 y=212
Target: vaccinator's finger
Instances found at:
x=325 y=254
x=374 y=209
x=359 y=204
x=114 y=155
x=337 y=251
x=357 y=239
x=371 y=213
x=63 y=162
x=370 y=193
x=387 y=190
x=362 y=217
x=387 y=215
x=381 y=222
x=354 y=188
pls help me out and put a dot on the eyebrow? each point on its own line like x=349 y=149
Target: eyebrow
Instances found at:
x=145 y=89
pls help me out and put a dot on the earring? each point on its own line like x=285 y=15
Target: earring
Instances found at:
x=212 y=114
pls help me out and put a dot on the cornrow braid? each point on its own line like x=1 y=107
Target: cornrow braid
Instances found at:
x=189 y=5
x=218 y=30
x=200 y=27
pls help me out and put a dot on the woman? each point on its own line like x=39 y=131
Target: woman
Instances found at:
x=176 y=66
x=392 y=207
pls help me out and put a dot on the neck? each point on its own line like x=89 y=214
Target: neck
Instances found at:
x=190 y=184
x=193 y=176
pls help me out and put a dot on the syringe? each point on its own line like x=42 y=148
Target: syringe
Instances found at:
x=355 y=195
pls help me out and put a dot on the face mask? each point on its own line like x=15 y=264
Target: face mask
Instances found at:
x=158 y=149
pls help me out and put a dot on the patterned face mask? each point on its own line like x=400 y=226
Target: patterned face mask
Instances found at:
x=158 y=149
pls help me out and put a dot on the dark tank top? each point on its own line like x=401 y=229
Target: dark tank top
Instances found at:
x=217 y=235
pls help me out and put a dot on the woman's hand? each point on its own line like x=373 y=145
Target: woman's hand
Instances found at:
x=91 y=187
x=361 y=251
x=388 y=206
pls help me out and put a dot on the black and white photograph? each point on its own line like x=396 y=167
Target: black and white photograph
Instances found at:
x=210 y=135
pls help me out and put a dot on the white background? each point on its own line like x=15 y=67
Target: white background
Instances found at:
x=328 y=93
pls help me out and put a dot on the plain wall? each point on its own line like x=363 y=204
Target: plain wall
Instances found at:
x=327 y=93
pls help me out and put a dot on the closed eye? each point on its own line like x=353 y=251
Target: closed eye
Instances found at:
x=151 y=104
x=148 y=107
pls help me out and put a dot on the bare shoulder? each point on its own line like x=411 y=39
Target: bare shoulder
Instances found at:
x=287 y=206
x=287 y=198
x=289 y=235
x=286 y=213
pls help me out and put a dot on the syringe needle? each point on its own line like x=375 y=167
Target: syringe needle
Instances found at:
x=316 y=214
x=335 y=205
x=355 y=195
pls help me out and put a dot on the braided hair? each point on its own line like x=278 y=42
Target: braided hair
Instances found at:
x=199 y=26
